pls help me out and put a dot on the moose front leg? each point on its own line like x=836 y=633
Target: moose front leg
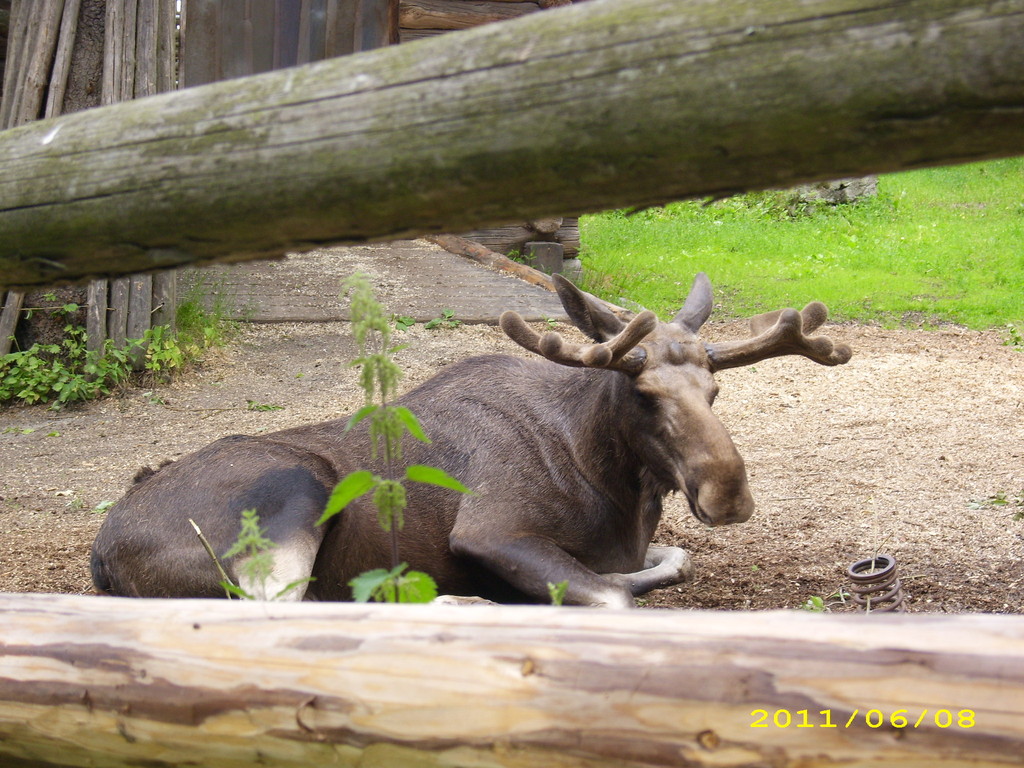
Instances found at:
x=531 y=562
x=663 y=567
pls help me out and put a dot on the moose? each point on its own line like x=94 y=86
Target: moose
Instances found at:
x=570 y=458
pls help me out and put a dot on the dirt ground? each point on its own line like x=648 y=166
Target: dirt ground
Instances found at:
x=897 y=451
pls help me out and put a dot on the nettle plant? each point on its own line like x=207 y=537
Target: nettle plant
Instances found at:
x=379 y=377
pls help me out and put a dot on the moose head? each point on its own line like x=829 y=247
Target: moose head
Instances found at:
x=674 y=371
x=570 y=457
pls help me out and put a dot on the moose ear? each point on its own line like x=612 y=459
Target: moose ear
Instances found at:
x=587 y=312
x=697 y=309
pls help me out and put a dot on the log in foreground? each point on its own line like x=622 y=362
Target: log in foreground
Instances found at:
x=114 y=681
x=602 y=104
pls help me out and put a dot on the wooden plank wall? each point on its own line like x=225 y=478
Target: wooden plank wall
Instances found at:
x=225 y=40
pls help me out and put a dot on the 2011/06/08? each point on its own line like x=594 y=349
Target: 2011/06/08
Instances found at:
x=873 y=718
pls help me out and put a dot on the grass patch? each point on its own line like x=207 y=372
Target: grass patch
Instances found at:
x=937 y=245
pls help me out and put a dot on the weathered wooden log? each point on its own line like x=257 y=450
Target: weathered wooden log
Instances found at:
x=472 y=250
x=412 y=35
x=459 y=14
x=96 y=316
x=9 y=319
x=603 y=104
x=108 y=681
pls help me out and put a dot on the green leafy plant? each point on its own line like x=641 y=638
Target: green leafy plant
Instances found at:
x=379 y=377
x=445 y=322
x=819 y=604
x=1001 y=499
x=1014 y=337
x=814 y=604
x=252 y=405
x=557 y=592
x=403 y=323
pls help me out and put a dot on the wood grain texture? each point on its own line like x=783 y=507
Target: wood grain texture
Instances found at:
x=513 y=237
x=599 y=105
x=458 y=14
x=128 y=682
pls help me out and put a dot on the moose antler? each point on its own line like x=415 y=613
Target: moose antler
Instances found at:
x=778 y=333
x=617 y=353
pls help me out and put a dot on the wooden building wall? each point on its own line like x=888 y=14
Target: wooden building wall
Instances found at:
x=225 y=40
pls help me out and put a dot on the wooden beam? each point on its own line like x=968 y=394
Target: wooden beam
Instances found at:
x=9 y=319
x=479 y=253
x=96 y=316
x=111 y=681
x=604 y=104
x=458 y=14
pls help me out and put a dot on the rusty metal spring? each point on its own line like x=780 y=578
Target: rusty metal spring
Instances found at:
x=875 y=585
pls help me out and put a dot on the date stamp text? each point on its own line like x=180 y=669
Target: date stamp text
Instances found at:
x=872 y=718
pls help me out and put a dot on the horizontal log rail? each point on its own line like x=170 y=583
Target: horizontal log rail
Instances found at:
x=608 y=103
x=112 y=681
x=459 y=14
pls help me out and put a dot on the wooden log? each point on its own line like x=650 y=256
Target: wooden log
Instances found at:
x=9 y=319
x=96 y=316
x=30 y=57
x=165 y=298
x=463 y=247
x=458 y=14
x=140 y=315
x=575 y=109
x=62 y=59
x=116 y=682
x=412 y=35
x=117 y=320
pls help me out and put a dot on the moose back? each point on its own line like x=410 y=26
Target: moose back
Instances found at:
x=570 y=455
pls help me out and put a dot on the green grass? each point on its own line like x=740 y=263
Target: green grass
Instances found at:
x=938 y=245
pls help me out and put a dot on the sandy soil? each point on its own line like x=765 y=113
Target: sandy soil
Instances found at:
x=897 y=451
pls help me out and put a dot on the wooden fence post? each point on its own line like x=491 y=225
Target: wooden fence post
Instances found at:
x=9 y=319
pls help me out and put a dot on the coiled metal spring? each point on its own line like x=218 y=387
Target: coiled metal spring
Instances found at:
x=875 y=585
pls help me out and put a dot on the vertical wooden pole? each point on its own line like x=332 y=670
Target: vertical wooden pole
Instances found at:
x=96 y=316
x=9 y=319
x=33 y=40
x=117 y=322
x=62 y=59
x=165 y=298
x=140 y=310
